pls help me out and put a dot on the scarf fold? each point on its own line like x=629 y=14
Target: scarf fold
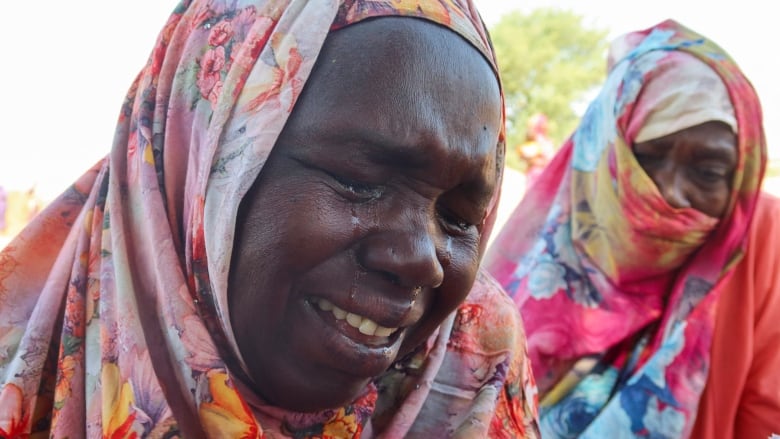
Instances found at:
x=617 y=289
x=113 y=301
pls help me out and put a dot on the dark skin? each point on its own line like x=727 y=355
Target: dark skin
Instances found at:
x=371 y=203
x=693 y=167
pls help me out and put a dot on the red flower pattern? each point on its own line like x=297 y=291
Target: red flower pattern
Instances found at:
x=221 y=33
x=211 y=66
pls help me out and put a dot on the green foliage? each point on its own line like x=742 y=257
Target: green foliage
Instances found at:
x=773 y=169
x=549 y=62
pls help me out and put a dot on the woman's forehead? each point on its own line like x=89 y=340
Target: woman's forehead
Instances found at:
x=390 y=40
x=381 y=65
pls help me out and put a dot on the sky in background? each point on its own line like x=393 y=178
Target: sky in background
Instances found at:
x=67 y=66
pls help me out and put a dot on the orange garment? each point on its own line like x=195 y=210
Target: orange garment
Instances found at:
x=742 y=396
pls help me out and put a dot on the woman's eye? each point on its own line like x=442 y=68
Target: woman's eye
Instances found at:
x=453 y=223
x=711 y=174
x=359 y=191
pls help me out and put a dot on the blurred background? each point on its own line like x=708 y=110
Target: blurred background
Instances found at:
x=67 y=66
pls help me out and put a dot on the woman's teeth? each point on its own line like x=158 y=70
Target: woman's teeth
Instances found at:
x=364 y=325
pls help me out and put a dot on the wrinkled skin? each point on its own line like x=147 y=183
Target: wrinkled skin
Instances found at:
x=693 y=167
x=372 y=199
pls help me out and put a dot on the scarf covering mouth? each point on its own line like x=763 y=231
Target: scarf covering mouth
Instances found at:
x=616 y=287
x=113 y=301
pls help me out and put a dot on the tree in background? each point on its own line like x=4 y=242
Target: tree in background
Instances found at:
x=549 y=62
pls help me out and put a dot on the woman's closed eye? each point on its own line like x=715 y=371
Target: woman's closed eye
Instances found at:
x=453 y=223
x=357 y=191
x=708 y=173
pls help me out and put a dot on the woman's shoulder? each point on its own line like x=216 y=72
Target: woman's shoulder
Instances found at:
x=493 y=323
x=489 y=316
x=768 y=205
x=764 y=242
x=765 y=228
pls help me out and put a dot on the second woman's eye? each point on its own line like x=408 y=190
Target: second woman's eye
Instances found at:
x=712 y=174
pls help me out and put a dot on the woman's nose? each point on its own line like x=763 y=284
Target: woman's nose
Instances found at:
x=406 y=252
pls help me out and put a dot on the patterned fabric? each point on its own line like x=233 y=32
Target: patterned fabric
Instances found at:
x=113 y=315
x=617 y=288
x=686 y=93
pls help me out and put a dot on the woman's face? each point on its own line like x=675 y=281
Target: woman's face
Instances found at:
x=362 y=232
x=693 y=167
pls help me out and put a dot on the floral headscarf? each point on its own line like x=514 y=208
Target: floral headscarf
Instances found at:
x=113 y=307
x=617 y=288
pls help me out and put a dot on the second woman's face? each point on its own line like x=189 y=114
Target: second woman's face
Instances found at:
x=363 y=230
x=693 y=167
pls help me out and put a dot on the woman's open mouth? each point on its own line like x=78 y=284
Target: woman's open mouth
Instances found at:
x=364 y=325
x=343 y=341
x=359 y=329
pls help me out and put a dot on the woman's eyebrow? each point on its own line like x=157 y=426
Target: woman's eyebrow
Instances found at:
x=724 y=154
x=379 y=148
